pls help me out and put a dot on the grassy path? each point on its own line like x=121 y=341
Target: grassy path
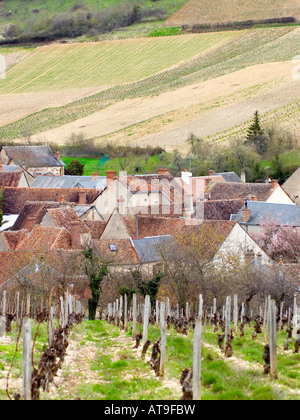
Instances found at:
x=102 y=364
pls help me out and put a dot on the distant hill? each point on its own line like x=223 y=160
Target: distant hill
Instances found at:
x=216 y=12
x=45 y=20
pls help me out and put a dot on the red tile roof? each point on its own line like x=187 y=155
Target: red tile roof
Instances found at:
x=10 y=179
x=14 y=238
x=64 y=216
x=125 y=253
x=44 y=238
x=238 y=190
x=16 y=198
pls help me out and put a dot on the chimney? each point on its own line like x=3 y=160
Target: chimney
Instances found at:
x=57 y=155
x=253 y=197
x=206 y=182
x=246 y=213
x=121 y=205
x=1 y=167
x=162 y=171
x=188 y=210
x=82 y=197
x=75 y=234
x=110 y=175
x=211 y=172
x=243 y=177
x=94 y=177
x=274 y=183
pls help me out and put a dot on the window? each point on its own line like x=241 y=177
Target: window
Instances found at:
x=113 y=247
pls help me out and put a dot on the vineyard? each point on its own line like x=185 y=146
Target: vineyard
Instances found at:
x=139 y=352
x=149 y=67
x=229 y=12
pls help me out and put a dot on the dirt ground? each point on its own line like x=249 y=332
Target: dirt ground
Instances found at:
x=204 y=108
x=19 y=105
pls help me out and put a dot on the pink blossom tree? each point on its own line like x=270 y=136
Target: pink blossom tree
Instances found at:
x=279 y=241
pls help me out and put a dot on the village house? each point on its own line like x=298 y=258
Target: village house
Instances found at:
x=255 y=213
x=268 y=192
x=197 y=185
x=17 y=178
x=36 y=160
x=70 y=181
x=231 y=238
x=292 y=186
x=134 y=193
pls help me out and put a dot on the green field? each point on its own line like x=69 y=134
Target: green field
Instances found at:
x=108 y=63
x=132 y=164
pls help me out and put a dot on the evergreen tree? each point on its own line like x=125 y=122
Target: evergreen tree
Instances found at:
x=255 y=135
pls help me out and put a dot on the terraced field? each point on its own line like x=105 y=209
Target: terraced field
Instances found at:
x=68 y=83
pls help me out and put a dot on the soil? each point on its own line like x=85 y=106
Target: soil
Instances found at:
x=204 y=108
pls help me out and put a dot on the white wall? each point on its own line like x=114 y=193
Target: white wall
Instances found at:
x=279 y=196
x=237 y=244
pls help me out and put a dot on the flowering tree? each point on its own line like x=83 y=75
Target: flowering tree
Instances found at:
x=279 y=241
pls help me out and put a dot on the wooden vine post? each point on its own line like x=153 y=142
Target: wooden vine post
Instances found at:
x=295 y=317
x=273 y=340
x=125 y=313
x=26 y=360
x=227 y=318
x=134 y=315
x=163 y=340
x=147 y=309
x=197 y=361
x=236 y=314
x=3 y=317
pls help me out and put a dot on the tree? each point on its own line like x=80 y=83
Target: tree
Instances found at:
x=75 y=167
x=279 y=241
x=148 y=287
x=255 y=135
x=96 y=271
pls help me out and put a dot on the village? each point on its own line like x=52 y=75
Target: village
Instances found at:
x=134 y=222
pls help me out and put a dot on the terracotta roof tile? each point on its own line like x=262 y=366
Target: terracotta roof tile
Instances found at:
x=33 y=213
x=10 y=179
x=124 y=253
x=64 y=216
x=16 y=198
x=96 y=227
x=218 y=209
x=238 y=190
x=44 y=238
x=14 y=238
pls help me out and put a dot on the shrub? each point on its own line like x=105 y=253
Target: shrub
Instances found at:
x=75 y=167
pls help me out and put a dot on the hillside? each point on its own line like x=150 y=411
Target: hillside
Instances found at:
x=215 y=12
x=44 y=21
x=150 y=90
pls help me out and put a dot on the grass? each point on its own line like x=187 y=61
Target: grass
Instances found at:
x=144 y=163
x=26 y=12
x=121 y=375
x=114 y=62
